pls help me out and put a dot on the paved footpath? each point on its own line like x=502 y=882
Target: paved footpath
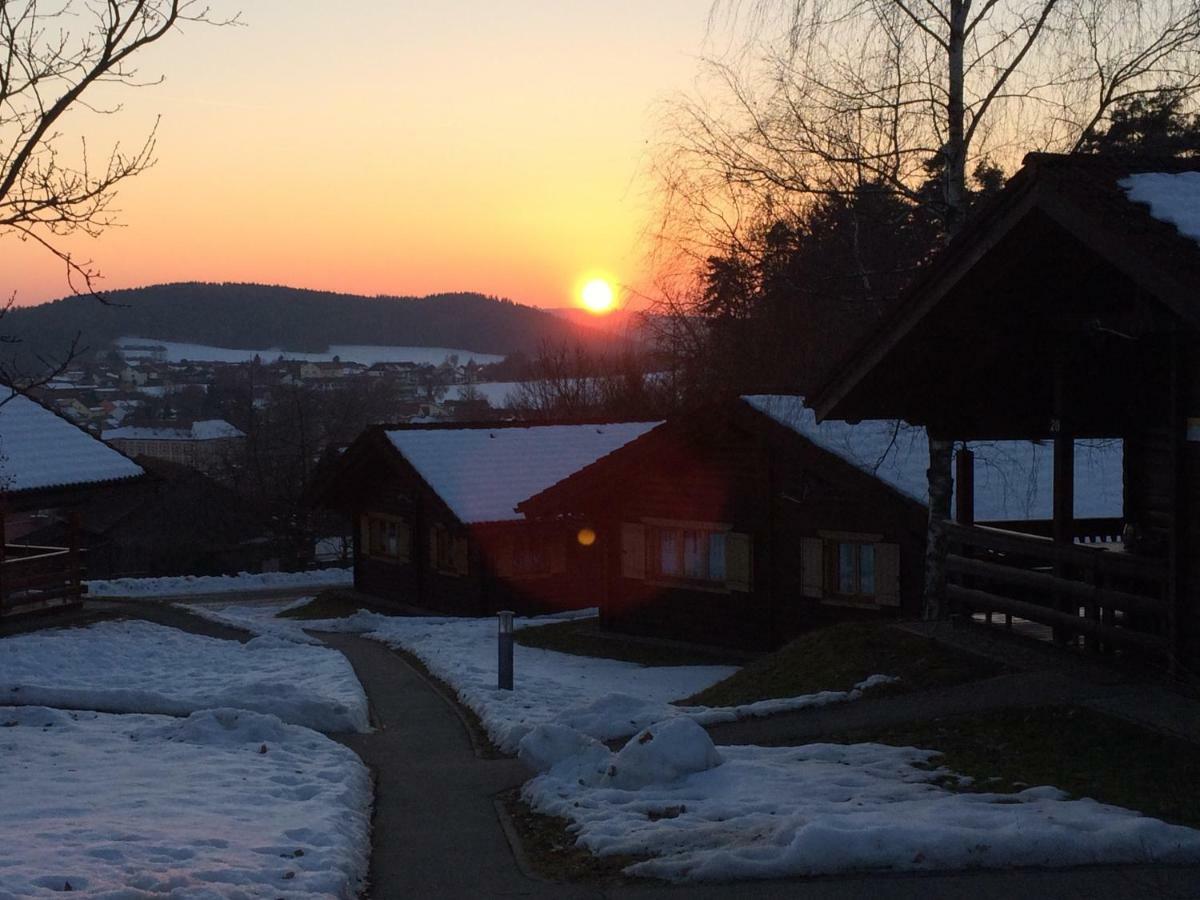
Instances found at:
x=437 y=833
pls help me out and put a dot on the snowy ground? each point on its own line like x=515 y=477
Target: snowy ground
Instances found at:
x=134 y=666
x=224 y=803
x=602 y=698
x=756 y=812
x=185 y=585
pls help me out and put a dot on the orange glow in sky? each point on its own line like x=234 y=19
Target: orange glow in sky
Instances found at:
x=389 y=148
x=597 y=296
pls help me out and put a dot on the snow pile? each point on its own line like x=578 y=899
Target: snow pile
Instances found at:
x=756 y=812
x=184 y=585
x=1172 y=197
x=224 y=803
x=142 y=667
x=261 y=618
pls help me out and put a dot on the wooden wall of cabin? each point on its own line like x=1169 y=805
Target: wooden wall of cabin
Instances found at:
x=536 y=568
x=767 y=488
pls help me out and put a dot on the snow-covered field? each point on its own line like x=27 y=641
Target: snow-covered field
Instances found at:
x=366 y=354
x=141 y=667
x=602 y=698
x=754 y=812
x=224 y=803
x=184 y=585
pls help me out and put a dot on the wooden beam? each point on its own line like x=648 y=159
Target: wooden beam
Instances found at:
x=964 y=487
x=1043 y=581
x=1046 y=615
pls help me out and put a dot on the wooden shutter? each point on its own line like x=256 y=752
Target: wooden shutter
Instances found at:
x=460 y=554
x=558 y=552
x=812 y=567
x=403 y=541
x=364 y=535
x=504 y=552
x=739 y=562
x=633 y=550
x=887 y=574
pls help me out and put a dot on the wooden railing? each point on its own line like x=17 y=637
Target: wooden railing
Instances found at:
x=34 y=577
x=1084 y=531
x=1111 y=599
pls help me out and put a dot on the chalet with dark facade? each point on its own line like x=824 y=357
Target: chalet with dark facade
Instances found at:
x=48 y=468
x=436 y=525
x=1069 y=308
x=733 y=527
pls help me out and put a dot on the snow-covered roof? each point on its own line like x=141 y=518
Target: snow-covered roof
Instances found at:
x=40 y=449
x=483 y=473
x=1013 y=479
x=206 y=430
x=1172 y=197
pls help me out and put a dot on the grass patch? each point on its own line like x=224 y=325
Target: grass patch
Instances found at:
x=585 y=638
x=837 y=657
x=337 y=603
x=551 y=852
x=1085 y=753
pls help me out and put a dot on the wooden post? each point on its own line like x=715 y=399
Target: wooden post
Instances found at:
x=1176 y=561
x=75 y=574
x=1064 y=487
x=964 y=487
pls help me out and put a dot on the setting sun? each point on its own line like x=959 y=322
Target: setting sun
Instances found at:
x=597 y=296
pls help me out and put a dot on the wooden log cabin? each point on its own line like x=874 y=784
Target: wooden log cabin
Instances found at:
x=435 y=519
x=48 y=467
x=1068 y=308
x=739 y=526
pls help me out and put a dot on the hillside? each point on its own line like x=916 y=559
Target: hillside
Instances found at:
x=254 y=316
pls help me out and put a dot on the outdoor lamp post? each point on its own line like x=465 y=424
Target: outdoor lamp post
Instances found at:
x=504 y=678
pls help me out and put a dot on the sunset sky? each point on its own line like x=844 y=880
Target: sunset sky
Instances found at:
x=400 y=148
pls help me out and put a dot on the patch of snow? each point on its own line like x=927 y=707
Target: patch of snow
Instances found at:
x=135 y=666
x=368 y=355
x=225 y=803
x=483 y=473
x=1013 y=479
x=601 y=698
x=823 y=809
x=1172 y=197
x=184 y=585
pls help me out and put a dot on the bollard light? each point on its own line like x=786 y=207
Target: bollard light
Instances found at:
x=504 y=671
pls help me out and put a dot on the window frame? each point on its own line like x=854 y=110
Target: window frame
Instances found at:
x=656 y=528
x=856 y=593
x=377 y=524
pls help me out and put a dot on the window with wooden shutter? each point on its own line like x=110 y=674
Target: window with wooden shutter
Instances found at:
x=812 y=567
x=459 y=563
x=633 y=550
x=887 y=574
x=739 y=562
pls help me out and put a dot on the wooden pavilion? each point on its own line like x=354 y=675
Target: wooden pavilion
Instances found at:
x=1068 y=309
x=48 y=466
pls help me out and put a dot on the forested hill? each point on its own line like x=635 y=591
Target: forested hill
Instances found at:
x=254 y=316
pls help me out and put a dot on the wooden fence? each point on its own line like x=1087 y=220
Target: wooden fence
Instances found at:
x=1111 y=599
x=33 y=578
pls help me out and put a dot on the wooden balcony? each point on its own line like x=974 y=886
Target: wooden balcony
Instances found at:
x=34 y=578
x=1089 y=591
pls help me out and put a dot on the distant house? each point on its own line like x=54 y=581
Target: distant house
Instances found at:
x=176 y=520
x=748 y=523
x=48 y=466
x=435 y=519
x=1068 y=308
x=204 y=445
